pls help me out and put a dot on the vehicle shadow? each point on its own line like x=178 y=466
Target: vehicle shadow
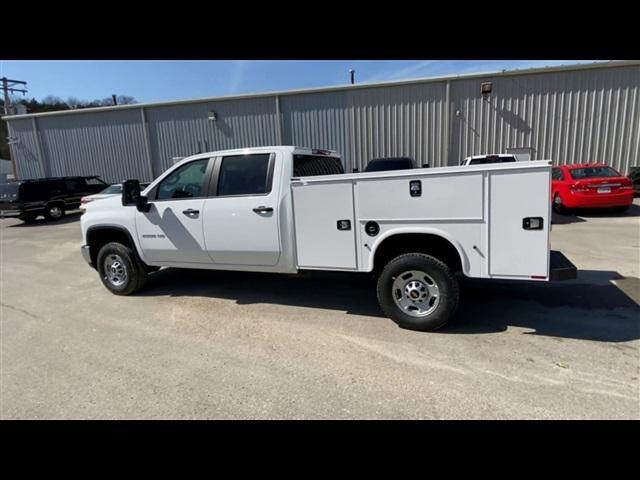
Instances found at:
x=582 y=215
x=590 y=308
x=70 y=217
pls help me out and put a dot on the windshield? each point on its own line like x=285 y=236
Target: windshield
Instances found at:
x=8 y=190
x=593 y=172
x=312 y=165
x=479 y=161
x=384 y=164
x=112 y=189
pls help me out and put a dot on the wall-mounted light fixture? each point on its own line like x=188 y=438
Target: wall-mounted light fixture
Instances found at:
x=485 y=88
x=212 y=116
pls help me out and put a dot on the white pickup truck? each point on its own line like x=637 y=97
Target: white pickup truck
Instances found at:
x=283 y=209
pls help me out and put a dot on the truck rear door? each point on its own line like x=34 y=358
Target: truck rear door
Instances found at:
x=240 y=219
x=519 y=218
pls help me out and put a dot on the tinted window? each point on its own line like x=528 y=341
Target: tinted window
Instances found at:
x=482 y=161
x=40 y=190
x=244 y=175
x=593 y=172
x=311 y=165
x=95 y=181
x=75 y=185
x=383 y=164
x=8 y=190
x=185 y=182
x=556 y=174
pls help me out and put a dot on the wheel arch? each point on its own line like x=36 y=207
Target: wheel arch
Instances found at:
x=99 y=235
x=420 y=240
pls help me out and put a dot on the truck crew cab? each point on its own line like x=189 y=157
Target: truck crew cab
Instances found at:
x=284 y=209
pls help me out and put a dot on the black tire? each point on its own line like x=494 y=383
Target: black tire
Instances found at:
x=55 y=211
x=437 y=272
x=558 y=207
x=120 y=257
x=28 y=218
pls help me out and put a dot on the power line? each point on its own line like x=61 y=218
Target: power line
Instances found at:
x=8 y=87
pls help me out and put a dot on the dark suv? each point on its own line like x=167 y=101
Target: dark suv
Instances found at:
x=51 y=197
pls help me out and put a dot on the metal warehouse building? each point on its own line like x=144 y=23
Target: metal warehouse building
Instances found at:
x=570 y=114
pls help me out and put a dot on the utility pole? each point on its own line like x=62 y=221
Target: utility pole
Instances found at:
x=352 y=72
x=115 y=100
x=7 y=87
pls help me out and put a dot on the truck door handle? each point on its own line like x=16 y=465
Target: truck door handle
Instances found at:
x=262 y=209
x=191 y=211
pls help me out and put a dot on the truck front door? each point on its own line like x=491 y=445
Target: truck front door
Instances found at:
x=240 y=219
x=171 y=231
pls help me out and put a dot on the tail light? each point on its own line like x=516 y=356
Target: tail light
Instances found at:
x=85 y=200
x=576 y=187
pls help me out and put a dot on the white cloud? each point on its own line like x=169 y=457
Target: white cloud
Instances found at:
x=237 y=75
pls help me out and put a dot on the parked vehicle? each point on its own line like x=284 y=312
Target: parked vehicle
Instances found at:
x=634 y=176
x=111 y=190
x=390 y=163
x=492 y=158
x=265 y=210
x=593 y=185
x=51 y=197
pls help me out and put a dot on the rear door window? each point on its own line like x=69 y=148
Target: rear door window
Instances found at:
x=244 y=175
x=75 y=185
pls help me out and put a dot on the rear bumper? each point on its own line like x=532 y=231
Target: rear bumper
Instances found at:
x=9 y=213
x=605 y=200
x=560 y=267
x=86 y=254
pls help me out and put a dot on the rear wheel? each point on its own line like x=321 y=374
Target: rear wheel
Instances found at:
x=121 y=271
x=54 y=211
x=418 y=292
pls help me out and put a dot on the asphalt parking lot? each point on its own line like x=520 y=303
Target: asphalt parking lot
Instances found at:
x=198 y=344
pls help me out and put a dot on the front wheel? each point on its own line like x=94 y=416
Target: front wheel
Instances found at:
x=54 y=212
x=418 y=292
x=120 y=269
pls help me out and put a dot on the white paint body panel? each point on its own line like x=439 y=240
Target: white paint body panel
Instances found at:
x=514 y=251
x=317 y=209
x=478 y=209
x=168 y=235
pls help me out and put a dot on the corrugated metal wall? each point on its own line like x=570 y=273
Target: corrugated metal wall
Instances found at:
x=109 y=144
x=182 y=130
x=570 y=116
x=24 y=148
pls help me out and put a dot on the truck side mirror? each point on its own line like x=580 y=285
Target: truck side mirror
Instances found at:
x=131 y=196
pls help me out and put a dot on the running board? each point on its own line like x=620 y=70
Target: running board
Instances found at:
x=560 y=267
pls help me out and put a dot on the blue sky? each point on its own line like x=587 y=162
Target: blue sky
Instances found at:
x=150 y=81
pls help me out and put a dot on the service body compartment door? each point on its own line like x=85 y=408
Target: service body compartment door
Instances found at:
x=324 y=225
x=519 y=223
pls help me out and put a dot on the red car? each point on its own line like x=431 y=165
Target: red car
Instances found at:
x=592 y=185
